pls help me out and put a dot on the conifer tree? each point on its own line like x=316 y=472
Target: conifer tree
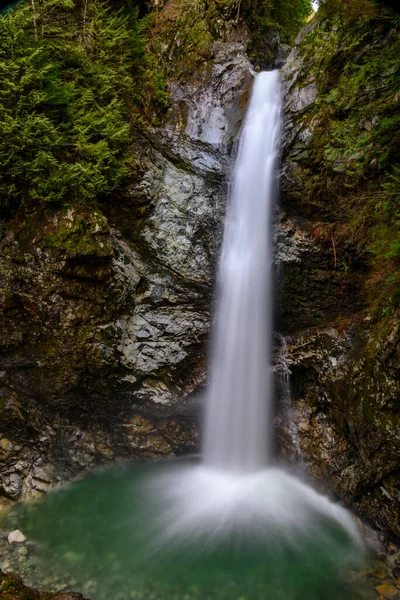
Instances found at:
x=74 y=78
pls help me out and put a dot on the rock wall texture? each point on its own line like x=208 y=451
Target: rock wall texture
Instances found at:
x=342 y=332
x=105 y=316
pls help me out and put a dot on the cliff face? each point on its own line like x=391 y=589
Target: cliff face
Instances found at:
x=106 y=312
x=105 y=316
x=340 y=302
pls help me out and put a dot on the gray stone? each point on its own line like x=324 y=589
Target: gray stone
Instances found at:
x=5 y=566
x=214 y=105
x=16 y=537
x=108 y=336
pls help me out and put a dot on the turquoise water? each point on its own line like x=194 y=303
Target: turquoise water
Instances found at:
x=94 y=536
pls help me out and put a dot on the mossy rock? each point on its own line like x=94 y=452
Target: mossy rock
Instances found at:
x=74 y=234
x=12 y=588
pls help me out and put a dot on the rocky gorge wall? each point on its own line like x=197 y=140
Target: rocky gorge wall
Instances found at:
x=105 y=314
x=340 y=312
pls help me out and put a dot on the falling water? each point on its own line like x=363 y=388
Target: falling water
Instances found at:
x=283 y=372
x=238 y=403
x=235 y=491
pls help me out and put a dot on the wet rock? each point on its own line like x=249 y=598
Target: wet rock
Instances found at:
x=388 y=591
x=310 y=289
x=340 y=385
x=211 y=109
x=12 y=484
x=183 y=213
x=12 y=588
x=342 y=354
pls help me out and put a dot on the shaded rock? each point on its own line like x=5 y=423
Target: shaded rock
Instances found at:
x=310 y=288
x=346 y=415
x=342 y=352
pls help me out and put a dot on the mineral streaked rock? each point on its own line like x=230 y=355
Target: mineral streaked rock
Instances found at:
x=183 y=214
x=212 y=107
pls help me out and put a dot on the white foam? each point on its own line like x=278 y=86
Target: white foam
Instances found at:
x=193 y=505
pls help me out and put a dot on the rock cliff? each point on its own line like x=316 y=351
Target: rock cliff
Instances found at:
x=340 y=309
x=105 y=316
x=105 y=313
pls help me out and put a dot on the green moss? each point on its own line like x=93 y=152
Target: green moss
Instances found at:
x=352 y=171
x=182 y=32
x=77 y=234
x=267 y=19
x=181 y=35
x=12 y=588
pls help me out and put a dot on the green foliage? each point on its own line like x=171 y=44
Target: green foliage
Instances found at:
x=291 y=16
x=354 y=156
x=181 y=34
x=286 y=17
x=356 y=144
x=387 y=217
x=183 y=31
x=74 y=80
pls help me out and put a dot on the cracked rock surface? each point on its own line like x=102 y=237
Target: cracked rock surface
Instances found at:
x=105 y=316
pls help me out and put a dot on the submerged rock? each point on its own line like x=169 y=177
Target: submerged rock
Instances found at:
x=388 y=591
x=12 y=588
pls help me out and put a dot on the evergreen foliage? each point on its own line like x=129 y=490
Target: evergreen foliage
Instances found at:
x=287 y=16
x=74 y=80
x=183 y=31
x=355 y=150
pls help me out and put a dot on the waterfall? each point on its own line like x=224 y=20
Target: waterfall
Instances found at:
x=233 y=526
x=238 y=403
x=235 y=493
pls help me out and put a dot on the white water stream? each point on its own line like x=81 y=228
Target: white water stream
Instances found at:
x=233 y=527
x=239 y=398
